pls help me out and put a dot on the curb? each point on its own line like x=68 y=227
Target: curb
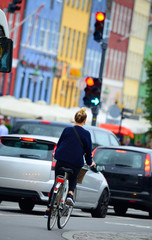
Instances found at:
x=83 y=235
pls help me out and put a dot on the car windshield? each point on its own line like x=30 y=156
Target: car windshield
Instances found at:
x=26 y=149
x=120 y=158
x=39 y=129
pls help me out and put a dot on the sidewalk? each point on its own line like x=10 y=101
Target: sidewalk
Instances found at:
x=106 y=236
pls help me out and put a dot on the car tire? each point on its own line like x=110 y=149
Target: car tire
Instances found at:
x=26 y=205
x=120 y=210
x=101 y=210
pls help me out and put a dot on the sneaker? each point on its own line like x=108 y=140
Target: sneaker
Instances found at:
x=47 y=212
x=69 y=200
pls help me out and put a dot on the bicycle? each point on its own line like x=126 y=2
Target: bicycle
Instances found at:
x=59 y=209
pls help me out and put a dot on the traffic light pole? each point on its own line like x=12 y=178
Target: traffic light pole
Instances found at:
x=95 y=110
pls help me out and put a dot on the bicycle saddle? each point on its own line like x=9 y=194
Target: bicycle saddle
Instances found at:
x=68 y=170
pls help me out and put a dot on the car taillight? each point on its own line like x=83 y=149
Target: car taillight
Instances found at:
x=28 y=139
x=147 y=165
x=54 y=149
x=93 y=152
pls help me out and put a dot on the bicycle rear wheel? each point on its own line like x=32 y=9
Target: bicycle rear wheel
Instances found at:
x=64 y=215
x=53 y=213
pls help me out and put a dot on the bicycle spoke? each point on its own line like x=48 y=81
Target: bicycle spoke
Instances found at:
x=64 y=215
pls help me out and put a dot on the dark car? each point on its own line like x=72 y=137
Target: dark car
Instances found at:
x=128 y=171
x=54 y=129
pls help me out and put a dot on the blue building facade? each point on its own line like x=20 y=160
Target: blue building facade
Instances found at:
x=37 y=64
x=94 y=50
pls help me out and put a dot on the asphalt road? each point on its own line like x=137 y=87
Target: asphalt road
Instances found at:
x=15 y=225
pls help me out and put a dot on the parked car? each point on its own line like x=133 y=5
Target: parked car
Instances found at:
x=27 y=175
x=54 y=129
x=128 y=171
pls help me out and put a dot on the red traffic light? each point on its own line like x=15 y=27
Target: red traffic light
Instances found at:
x=100 y=16
x=89 y=81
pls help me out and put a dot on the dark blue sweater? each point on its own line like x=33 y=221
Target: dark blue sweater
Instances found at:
x=70 y=150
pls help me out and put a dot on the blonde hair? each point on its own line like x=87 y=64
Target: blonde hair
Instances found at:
x=81 y=115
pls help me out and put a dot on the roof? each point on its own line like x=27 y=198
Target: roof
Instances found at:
x=131 y=148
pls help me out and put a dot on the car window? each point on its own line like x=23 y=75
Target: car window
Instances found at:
x=114 y=141
x=120 y=158
x=25 y=149
x=102 y=138
x=39 y=129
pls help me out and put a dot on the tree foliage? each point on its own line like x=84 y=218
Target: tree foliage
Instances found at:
x=148 y=98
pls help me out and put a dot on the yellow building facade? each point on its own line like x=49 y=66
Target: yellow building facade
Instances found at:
x=135 y=55
x=73 y=39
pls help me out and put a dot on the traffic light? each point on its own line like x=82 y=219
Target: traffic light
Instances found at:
x=92 y=92
x=99 y=26
x=12 y=7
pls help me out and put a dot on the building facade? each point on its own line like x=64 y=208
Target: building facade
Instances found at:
x=147 y=55
x=135 y=54
x=37 y=63
x=7 y=80
x=74 y=34
x=115 y=62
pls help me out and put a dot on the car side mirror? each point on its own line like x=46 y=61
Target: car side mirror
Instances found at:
x=6 y=54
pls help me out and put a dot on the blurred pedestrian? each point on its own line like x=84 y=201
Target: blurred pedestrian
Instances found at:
x=3 y=128
x=128 y=143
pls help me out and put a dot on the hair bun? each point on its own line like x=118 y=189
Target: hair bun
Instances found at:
x=83 y=109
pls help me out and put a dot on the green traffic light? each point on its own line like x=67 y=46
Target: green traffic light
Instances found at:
x=95 y=101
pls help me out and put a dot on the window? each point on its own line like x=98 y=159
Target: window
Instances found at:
x=35 y=33
x=17 y=20
x=72 y=45
x=119 y=159
x=102 y=139
x=72 y=3
x=40 y=89
x=77 y=47
x=113 y=141
x=82 y=5
x=9 y=79
x=67 y=44
x=47 y=35
x=29 y=85
x=42 y=33
x=78 y=4
x=25 y=149
x=87 y=5
x=62 y=41
x=82 y=46
x=54 y=36
x=22 y=85
x=46 y=88
x=51 y=4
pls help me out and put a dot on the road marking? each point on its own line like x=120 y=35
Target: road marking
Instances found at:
x=131 y=225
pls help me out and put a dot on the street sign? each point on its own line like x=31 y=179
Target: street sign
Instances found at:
x=114 y=111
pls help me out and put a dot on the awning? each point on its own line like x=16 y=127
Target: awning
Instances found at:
x=115 y=129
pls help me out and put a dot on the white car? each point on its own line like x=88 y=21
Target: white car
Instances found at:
x=27 y=175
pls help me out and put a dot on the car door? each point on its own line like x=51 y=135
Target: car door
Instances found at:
x=89 y=191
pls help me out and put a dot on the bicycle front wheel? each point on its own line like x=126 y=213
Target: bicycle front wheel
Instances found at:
x=64 y=215
x=53 y=213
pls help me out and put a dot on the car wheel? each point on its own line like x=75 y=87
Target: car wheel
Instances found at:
x=102 y=207
x=120 y=210
x=26 y=205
